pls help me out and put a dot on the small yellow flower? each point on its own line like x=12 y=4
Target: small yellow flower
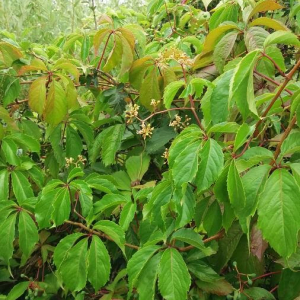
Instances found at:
x=178 y=123
x=146 y=130
x=131 y=112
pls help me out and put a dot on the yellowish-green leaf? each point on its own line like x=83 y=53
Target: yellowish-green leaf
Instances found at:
x=56 y=104
x=270 y=23
x=264 y=6
x=37 y=95
x=150 y=89
x=282 y=37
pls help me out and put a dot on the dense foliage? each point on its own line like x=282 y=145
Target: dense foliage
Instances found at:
x=153 y=160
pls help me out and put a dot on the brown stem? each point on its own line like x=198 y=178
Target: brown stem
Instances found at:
x=288 y=77
x=192 y=102
x=274 y=63
x=100 y=234
x=217 y=236
x=164 y=111
x=284 y=136
x=272 y=81
x=104 y=49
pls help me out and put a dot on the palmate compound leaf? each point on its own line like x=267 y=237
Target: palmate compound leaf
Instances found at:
x=278 y=212
x=174 y=278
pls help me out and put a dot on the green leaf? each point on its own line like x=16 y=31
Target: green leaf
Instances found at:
x=225 y=127
x=264 y=6
x=270 y=23
x=127 y=215
x=219 y=98
x=235 y=188
x=255 y=37
x=114 y=231
x=186 y=163
x=290 y=145
x=63 y=247
x=69 y=68
x=289 y=285
x=56 y=141
x=211 y=165
x=174 y=278
x=150 y=89
x=109 y=140
x=26 y=141
x=282 y=37
x=213 y=37
x=75 y=264
x=73 y=143
x=241 y=87
x=161 y=195
x=242 y=135
x=4 y=183
x=10 y=150
x=115 y=55
x=7 y=232
x=28 y=235
x=18 y=290
x=62 y=206
x=219 y=287
x=21 y=187
x=189 y=236
x=138 y=262
x=170 y=91
x=85 y=47
x=44 y=208
x=253 y=182
x=37 y=95
x=56 y=104
x=75 y=172
x=109 y=201
x=212 y=221
x=137 y=166
x=223 y=49
x=227 y=246
x=147 y=278
x=258 y=293
x=98 y=264
x=278 y=208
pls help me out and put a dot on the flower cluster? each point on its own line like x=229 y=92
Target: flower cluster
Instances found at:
x=146 y=130
x=155 y=104
x=71 y=160
x=177 y=123
x=131 y=112
x=176 y=54
x=166 y=155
